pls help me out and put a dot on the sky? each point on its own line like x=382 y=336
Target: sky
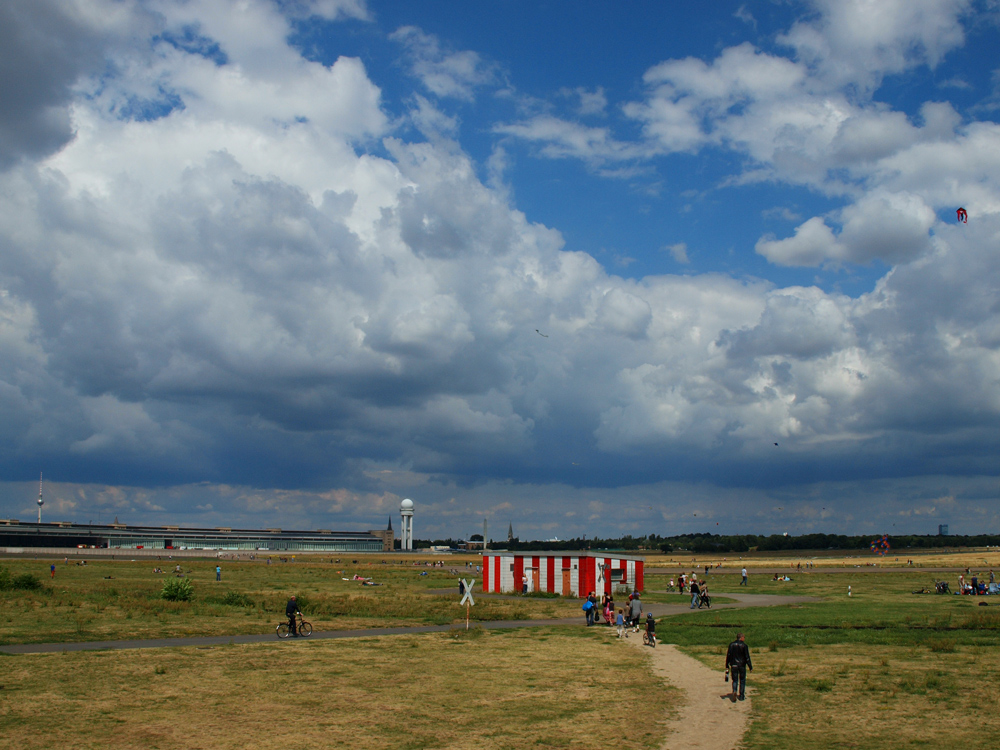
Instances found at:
x=579 y=267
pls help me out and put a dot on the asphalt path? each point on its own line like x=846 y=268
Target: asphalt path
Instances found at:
x=672 y=571
x=658 y=610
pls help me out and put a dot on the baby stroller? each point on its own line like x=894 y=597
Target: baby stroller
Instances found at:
x=705 y=599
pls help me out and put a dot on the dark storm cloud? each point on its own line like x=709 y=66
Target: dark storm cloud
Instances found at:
x=45 y=45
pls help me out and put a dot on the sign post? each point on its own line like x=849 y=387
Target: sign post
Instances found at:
x=467 y=599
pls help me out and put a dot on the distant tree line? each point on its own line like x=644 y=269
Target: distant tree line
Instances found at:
x=712 y=543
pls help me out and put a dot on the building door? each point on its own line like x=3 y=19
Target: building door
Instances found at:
x=565 y=586
x=534 y=579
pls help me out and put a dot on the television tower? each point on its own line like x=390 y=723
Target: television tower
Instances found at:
x=40 y=501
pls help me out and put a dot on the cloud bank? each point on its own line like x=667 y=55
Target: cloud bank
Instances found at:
x=232 y=287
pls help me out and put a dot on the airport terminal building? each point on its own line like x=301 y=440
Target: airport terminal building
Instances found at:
x=16 y=534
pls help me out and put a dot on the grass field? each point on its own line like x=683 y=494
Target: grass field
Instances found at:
x=538 y=688
x=881 y=668
x=121 y=599
x=897 y=558
x=884 y=667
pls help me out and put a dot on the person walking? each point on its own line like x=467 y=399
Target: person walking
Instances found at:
x=695 y=594
x=620 y=622
x=635 y=610
x=743 y=580
x=218 y=572
x=737 y=661
x=588 y=608
x=52 y=570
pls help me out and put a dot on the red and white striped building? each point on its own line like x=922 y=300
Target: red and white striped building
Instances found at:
x=566 y=573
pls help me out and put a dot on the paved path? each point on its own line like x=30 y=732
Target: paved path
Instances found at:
x=223 y=640
x=658 y=610
x=742 y=601
x=787 y=570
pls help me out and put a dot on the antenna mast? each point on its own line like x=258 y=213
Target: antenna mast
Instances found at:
x=40 y=501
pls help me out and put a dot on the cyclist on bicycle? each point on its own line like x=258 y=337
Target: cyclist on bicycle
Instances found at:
x=650 y=627
x=291 y=610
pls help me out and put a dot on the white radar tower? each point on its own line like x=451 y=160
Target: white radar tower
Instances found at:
x=40 y=501
x=406 y=511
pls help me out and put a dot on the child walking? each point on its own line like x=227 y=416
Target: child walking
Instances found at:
x=620 y=622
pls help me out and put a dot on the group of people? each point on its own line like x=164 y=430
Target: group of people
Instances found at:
x=626 y=617
x=738 y=659
x=975 y=586
x=631 y=613
x=697 y=589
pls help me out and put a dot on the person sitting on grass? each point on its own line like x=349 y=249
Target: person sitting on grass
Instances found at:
x=291 y=611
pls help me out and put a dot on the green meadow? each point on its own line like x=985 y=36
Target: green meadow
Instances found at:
x=883 y=667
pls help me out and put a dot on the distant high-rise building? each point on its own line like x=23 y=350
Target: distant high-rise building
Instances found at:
x=942 y=529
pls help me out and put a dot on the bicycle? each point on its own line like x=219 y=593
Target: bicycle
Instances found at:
x=303 y=628
x=648 y=639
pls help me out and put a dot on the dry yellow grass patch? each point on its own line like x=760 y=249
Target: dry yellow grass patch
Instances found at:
x=977 y=559
x=548 y=688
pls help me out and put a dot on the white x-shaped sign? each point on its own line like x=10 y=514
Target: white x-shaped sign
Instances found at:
x=467 y=597
x=600 y=577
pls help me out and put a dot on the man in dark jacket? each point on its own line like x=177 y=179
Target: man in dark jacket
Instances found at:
x=695 y=593
x=291 y=609
x=737 y=661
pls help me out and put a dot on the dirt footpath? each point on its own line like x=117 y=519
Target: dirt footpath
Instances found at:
x=708 y=719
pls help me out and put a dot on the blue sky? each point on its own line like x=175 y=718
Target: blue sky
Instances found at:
x=579 y=268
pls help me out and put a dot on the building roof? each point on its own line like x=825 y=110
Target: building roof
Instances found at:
x=598 y=554
x=14 y=532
